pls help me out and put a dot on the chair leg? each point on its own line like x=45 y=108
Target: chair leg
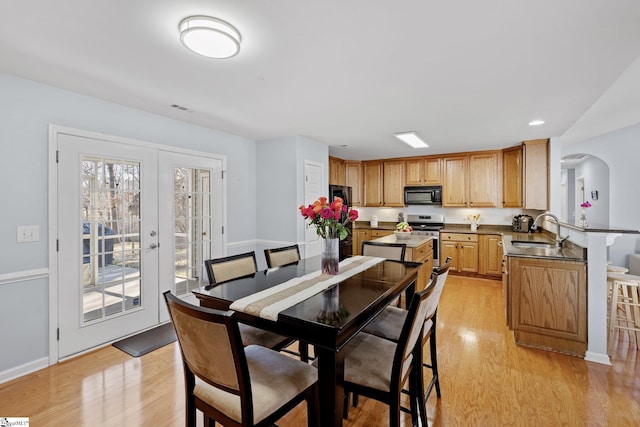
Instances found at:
x=434 y=360
x=303 y=349
x=345 y=405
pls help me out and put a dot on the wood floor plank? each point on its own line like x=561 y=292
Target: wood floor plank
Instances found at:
x=486 y=380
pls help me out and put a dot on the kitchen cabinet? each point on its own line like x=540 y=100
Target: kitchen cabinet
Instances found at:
x=423 y=171
x=463 y=250
x=548 y=304
x=424 y=254
x=358 y=236
x=536 y=174
x=353 y=179
x=471 y=180
x=454 y=181
x=512 y=177
x=384 y=183
x=375 y=233
x=336 y=171
x=525 y=181
x=490 y=254
x=484 y=169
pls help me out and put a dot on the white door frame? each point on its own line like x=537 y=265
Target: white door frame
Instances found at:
x=54 y=131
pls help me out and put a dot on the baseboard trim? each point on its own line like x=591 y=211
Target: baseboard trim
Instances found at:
x=25 y=369
x=601 y=358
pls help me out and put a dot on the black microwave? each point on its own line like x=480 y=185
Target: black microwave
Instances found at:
x=426 y=195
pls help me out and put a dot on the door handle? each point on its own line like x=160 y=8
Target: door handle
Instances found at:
x=154 y=245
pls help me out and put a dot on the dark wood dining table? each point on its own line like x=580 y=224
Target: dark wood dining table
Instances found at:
x=327 y=320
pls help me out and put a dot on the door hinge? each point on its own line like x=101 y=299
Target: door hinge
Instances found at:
x=57 y=156
x=57 y=245
x=223 y=229
x=222 y=174
x=58 y=334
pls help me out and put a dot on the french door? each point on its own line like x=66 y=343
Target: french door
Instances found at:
x=133 y=221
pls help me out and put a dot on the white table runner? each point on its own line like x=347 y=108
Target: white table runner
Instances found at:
x=270 y=302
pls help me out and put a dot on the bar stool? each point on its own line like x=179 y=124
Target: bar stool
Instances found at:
x=625 y=307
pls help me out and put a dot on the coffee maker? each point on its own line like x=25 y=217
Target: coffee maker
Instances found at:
x=522 y=223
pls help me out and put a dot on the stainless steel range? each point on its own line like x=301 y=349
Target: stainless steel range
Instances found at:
x=428 y=225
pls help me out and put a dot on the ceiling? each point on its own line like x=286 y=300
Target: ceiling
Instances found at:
x=465 y=74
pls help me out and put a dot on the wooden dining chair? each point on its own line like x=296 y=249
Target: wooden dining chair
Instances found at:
x=233 y=267
x=392 y=251
x=277 y=257
x=379 y=368
x=231 y=384
x=389 y=323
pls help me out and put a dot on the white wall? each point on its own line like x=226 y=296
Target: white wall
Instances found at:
x=620 y=150
x=26 y=110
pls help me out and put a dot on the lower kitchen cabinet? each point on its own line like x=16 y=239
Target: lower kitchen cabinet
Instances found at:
x=463 y=250
x=359 y=235
x=490 y=254
x=548 y=304
x=423 y=254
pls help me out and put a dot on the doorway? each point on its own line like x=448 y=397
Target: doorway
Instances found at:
x=133 y=220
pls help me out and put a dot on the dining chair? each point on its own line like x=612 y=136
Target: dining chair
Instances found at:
x=233 y=267
x=379 y=368
x=389 y=323
x=231 y=384
x=277 y=257
x=392 y=251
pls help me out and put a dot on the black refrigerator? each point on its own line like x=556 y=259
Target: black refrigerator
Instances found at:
x=344 y=192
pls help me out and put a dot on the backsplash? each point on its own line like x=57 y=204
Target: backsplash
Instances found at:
x=493 y=216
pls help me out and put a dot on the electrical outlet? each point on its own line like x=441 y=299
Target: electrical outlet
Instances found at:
x=28 y=233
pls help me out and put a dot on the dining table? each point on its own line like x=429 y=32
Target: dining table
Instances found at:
x=321 y=310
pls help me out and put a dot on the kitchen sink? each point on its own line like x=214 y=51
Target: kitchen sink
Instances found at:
x=532 y=244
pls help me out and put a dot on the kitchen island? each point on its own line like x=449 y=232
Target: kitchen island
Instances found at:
x=419 y=249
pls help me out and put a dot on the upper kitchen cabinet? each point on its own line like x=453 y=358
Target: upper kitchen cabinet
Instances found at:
x=526 y=175
x=353 y=179
x=484 y=169
x=423 y=171
x=454 y=181
x=471 y=180
x=383 y=183
x=512 y=177
x=536 y=174
x=336 y=171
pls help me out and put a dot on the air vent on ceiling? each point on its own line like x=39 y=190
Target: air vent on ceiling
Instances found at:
x=577 y=156
x=179 y=107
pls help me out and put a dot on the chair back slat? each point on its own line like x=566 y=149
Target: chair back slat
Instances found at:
x=232 y=267
x=392 y=251
x=278 y=257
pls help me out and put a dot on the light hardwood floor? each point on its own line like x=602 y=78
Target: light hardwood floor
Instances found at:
x=486 y=380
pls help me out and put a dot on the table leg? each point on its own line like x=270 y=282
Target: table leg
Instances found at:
x=331 y=386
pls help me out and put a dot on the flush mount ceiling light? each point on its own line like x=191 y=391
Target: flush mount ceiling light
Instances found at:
x=536 y=122
x=210 y=37
x=412 y=139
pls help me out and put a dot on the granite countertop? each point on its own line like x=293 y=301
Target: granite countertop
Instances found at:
x=569 y=251
x=412 y=242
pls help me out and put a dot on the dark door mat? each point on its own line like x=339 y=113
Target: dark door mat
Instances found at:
x=147 y=341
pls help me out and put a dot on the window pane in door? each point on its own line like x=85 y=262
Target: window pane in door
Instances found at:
x=111 y=278
x=192 y=227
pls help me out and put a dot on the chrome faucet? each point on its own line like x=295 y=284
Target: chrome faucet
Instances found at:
x=559 y=239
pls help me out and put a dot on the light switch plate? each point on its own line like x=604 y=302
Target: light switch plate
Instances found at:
x=28 y=233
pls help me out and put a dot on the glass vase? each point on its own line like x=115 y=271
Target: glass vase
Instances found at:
x=583 y=218
x=330 y=255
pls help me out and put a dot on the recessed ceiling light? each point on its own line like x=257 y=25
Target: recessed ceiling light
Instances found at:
x=210 y=37
x=536 y=122
x=412 y=139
